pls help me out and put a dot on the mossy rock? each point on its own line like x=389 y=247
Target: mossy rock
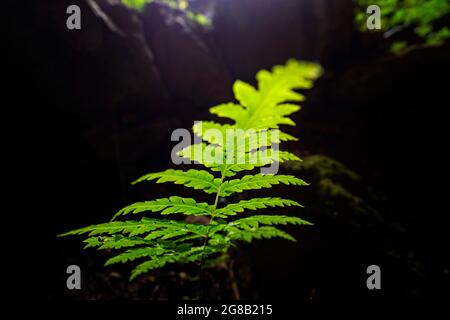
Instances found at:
x=336 y=192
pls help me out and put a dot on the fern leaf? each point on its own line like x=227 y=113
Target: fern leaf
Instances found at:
x=187 y=206
x=259 y=233
x=245 y=93
x=265 y=107
x=239 y=159
x=115 y=242
x=254 y=221
x=252 y=160
x=220 y=137
x=248 y=161
x=156 y=263
x=145 y=225
x=92 y=242
x=133 y=254
x=202 y=153
x=283 y=156
x=193 y=254
x=258 y=181
x=231 y=110
x=197 y=179
x=254 y=204
x=211 y=132
x=112 y=228
x=287 y=137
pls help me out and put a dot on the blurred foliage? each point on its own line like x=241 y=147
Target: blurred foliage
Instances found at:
x=176 y=4
x=417 y=15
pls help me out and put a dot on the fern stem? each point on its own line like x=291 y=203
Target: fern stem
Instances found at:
x=216 y=201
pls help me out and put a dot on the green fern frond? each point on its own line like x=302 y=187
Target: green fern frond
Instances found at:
x=251 y=160
x=259 y=233
x=254 y=221
x=260 y=108
x=113 y=227
x=254 y=204
x=187 y=206
x=192 y=255
x=115 y=242
x=160 y=261
x=133 y=254
x=257 y=181
x=226 y=150
x=197 y=179
x=287 y=137
x=155 y=263
x=145 y=225
x=202 y=153
x=208 y=130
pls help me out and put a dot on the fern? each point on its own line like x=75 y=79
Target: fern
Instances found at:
x=187 y=206
x=420 y=16
x=157 y=239
x=197 y=179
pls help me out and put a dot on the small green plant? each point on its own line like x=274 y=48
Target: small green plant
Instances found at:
x=250 y=144
x=176 y=4
x=419 y=15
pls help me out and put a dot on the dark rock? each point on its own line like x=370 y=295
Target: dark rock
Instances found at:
x=186 y=56
x=255 y=35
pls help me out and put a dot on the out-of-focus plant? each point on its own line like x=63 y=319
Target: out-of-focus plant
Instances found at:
x=177 y=4
x=158 y=240
x=417 y=15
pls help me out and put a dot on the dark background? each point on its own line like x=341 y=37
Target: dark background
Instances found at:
x=89 y=111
